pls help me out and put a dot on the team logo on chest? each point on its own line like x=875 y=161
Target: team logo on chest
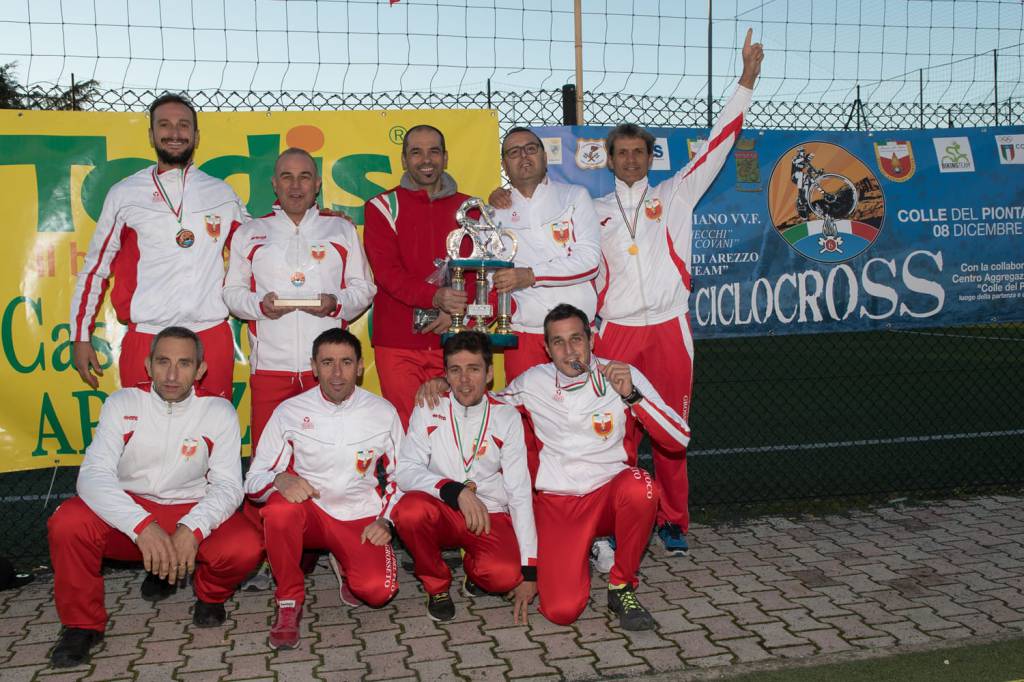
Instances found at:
x=364 y=458
x=652 y=208
x=482 y=449
x=318 y=252
x=602 y=423
x=212 y=223
x=189 y=446
x=560 y=231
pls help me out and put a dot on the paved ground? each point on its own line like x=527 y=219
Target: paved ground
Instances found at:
x=765 y=592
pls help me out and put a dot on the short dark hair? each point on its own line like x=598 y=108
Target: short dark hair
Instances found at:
x=416 y=129
x=471 y=341
x=565 y=311
x=177 y=333
x=168 y=97
x=338 y=335
x=520 y=129
x=629 y=130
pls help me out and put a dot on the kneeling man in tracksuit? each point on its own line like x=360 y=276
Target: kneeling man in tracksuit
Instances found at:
x=465 y=484
x=588 y=414
x=160 y=483
x=315 y=475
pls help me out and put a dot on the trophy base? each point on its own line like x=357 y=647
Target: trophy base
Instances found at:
x=477 y=263
x=298 y=302
x=497 y=340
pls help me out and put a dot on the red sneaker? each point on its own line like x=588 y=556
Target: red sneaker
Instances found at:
x=285 y=633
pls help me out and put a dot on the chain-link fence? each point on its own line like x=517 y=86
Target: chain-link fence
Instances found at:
x=774 y=418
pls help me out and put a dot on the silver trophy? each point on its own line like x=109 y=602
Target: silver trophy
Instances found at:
x=493 y=249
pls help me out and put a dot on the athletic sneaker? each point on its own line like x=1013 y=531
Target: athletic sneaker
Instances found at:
x=259 y=581
x=602 y=555
x=208 y=615
x=440 y=607
x=347 y=598
x=632 y=616
x=73 y=647
x=285 y=633
x=674 y=540
x=471 y=590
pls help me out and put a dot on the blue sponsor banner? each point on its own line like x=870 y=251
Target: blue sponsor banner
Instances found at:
x=811 y=231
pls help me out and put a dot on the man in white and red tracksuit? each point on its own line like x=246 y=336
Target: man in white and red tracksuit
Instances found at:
x=160 y=482
x=462 y=471
x=558 y=246
x=404 y=231
x=295 y=252
x=161 y=235
x=588 y=414
x=314 y=474
x=644 y=283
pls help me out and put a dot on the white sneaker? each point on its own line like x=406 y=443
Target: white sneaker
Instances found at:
x=602 y=556
x=259 y=581
x=347 y=597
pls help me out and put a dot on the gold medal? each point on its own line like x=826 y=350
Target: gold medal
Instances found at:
x=633 y=249
x=471 y=485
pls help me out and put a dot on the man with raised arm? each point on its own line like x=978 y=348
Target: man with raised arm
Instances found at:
x=465 y=484
x=160 y=483
x=296 y=253
x=559 y=251
x=644 y=283
x=314 y=474
x=405 y=231
x=161 y=235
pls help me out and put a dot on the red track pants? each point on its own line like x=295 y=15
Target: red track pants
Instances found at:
x=218 y=352
x=80 y=540
x=567 y=525
x=664 y=353
x=267 y=391
x=370 y=571
x=402 y=371
x=427 y=525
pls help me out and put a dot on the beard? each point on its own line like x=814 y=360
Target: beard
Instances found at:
x=179 y=159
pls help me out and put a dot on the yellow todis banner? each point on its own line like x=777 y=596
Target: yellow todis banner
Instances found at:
x=55 y=170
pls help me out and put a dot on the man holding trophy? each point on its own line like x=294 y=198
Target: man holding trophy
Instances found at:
x=293 y=274
x=405 y=230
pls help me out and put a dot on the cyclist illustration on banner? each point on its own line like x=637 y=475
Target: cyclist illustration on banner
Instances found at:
x=829 y=212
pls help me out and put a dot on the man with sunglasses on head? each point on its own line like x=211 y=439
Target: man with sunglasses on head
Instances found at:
x=559 y=246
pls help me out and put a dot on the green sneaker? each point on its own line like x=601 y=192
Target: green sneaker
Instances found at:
x=632 y=616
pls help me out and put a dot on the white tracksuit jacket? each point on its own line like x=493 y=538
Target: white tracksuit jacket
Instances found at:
x=558 y=238
x=156 y=282
x=335 y=448
x=169 y=453
x=654 y=285
x=431 y=458
x=265 y=257
x=585 y=429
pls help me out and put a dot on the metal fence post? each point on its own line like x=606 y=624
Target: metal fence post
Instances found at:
x=995 y=82
x=569 y=105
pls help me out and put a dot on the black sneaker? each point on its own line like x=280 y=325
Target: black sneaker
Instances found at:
x=440 y=607
x=154 y=589
x=471 y=590
x=632 y=616
x=73 y=647
x=207 y=615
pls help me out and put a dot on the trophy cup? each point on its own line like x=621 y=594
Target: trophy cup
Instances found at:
x=493 y=249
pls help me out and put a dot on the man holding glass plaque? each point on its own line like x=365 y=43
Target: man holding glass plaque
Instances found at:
x=293 y=274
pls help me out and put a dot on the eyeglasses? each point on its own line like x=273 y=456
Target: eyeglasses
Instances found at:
x=515 y=152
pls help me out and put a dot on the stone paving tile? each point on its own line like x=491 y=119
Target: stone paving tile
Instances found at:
x=769 y=589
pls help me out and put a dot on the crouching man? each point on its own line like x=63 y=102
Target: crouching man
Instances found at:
x=160 y=482
x=314 y=474
x=465 y=484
